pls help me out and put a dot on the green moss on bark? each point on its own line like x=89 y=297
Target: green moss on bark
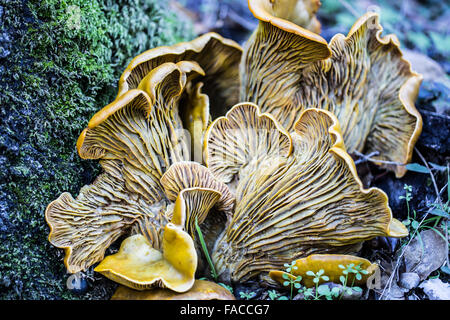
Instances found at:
x=59 y=63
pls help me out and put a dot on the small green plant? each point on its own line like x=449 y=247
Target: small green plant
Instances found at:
x=324 y=291
x=247 y=295
x=357 y=271
x=205 y=250
x=408 y=198
x=319 y=275
x=274 y=295
x=291 y=280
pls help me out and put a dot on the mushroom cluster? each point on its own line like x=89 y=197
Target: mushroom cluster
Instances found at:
x=252 y=145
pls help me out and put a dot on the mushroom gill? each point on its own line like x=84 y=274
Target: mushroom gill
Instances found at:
x=304 y=202
x=362 y=78
x=136 y=138
x=216 y=56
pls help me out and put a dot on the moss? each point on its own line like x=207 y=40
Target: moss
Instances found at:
x=59 y=63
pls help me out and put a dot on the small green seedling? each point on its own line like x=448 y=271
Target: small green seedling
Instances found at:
x=358 y=271
x=274 y=295
x=319 y=275
x=247 y=295
x=292 y=282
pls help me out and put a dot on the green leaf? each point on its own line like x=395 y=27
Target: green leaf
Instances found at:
x=406 y=222
x=325 y=278
x=323 y=290
x=437 y=167
x=415 y=224
x=310 y=273
x=335 y=291
x=299 y=278
x=341 y=266
x=297 y=285
x=285 y=276
x=358 y=276
x=316 y=280
x=357 y=289
x=441 y=213
x=283 y=298
x=286 y=283
x=321 y=272
x=417 y=168
x=342 y=279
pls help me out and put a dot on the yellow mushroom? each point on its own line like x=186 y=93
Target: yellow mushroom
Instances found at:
x=307 y=201
x=362 y=78
x=332 y=266
x=201 y=290
x=301 y=13
x=139 y=266
x=217 y=57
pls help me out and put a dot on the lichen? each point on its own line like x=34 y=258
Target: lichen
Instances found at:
x=59 y=64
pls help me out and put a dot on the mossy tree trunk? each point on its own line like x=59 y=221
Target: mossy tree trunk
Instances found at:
x=59 y=63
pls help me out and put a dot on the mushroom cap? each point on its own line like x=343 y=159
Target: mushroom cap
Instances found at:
x=243 y=139
x=201 y=290
x=103 y=211
x=279 y=12
x=143 y=130
x=329 y=263
x=311 y=201
x=188 y=174
x=139 y=266
x=136 y=138
x=362 y=78
x=217 y=57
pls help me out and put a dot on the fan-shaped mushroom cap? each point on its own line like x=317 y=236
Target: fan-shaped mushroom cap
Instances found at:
x=310 y=202
x=201 y=290
x=143 y=130
x=330 y=264
x=139 y=266
x=301 y=13
x=217 y=57
x=136 y=137
x=188 y=174
x=242 y=140
x=86 y=226
x=362 y=78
